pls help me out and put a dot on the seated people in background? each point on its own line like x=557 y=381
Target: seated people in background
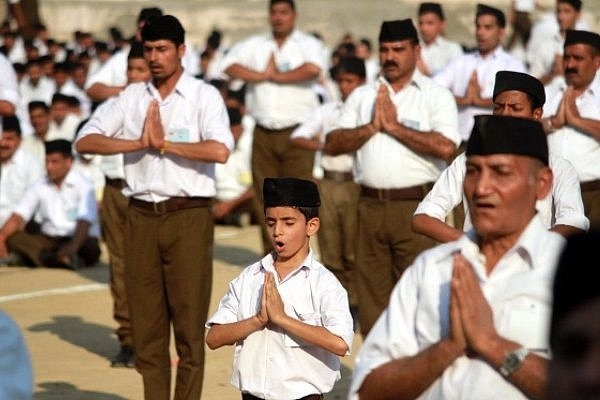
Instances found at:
x=286 y=314
x=18 y=168
x=39 y=115
x=519 y=95
x=65 y=203
x=469 y=319
x=64 y=122
x=575 y=326
x=234 y=178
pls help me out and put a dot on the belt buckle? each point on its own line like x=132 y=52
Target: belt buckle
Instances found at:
x=160 y=207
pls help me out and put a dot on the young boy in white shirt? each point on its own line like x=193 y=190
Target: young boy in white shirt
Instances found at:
x=287 y=315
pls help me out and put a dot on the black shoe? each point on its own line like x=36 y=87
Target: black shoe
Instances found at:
x=124 y=359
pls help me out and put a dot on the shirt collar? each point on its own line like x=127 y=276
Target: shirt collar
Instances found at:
x=417 y=80
x=267 y=263
x=182 y=87
x=528 y=245
x=494 y=54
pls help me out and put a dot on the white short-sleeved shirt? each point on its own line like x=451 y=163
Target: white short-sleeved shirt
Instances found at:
x=541 y=59
x=519 y=291
x=194 y=111
x=270 y=363
x=9 y=86
x=59 y=209
x=277 y=105
x=113 y=72
x=439 y=53
x=563 y=207
x=320 y=124
x=581 y=149
x=43 y=91
x=234 y=177
x=17 y=174
x=456 y=75
x=385 y=163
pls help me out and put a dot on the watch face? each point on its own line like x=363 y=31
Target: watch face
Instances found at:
x=512 y=361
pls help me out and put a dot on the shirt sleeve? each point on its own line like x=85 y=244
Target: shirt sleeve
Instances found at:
x=444 y=114
x=28 y=205
x=9 y=88
x=87 y=209
x=566 y=195
x=227 y=312
x=213 y=119
x=335 y=313
x=446 y=193
x=108 y=119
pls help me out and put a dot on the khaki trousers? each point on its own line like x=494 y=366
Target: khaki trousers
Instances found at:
x=386 y=247
x=113 y=217
x=273 y=156
x=337 y=234
x=168 y=281
x=591 y=205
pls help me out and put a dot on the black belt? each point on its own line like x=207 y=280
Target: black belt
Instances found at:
x=590 y=185
x=172 y=204
x=248 y=396
x=270 y=130
x=116 y=183
x=338 y=176
x=409 y=193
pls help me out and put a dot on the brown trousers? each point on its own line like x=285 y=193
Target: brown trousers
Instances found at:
x=32 y=247
x=591 y=205
x=273 y=156
x=386 y=247
x=337 y=234
x=168 y=281
x=113 y=217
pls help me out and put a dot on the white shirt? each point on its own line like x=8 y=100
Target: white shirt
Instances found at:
x=563 y=207
x=194 y=111
x=235 y=176
x=15 y=176
x=9 y=86
x=35 y=146
x=519 y=291
x=71 y=89
x=278 y=105
x=270 y=363
x=541 y=58
x=319 y=125
x=439 y=53
x=457 y=74
x=66 y=130
x=43 y=91
x=581 y=149
x=60 y=208
x=385 y=163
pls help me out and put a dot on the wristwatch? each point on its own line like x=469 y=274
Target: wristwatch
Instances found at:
x=513 y=361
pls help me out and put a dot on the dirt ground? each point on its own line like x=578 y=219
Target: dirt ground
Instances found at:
x=66 y=319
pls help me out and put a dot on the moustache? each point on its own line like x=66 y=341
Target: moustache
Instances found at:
x=389 y=64
x=570 y=71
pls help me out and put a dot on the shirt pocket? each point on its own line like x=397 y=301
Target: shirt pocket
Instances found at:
x=528 y=323
x=307 y=316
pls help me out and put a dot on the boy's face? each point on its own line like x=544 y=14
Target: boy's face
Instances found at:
x=347 y=82
x=138 y=70
x=289 y=231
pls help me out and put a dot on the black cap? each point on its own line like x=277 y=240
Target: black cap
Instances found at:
x=576 y=4
x=11 y=124
x=290 y=192
x=582 y=37
x=483 y=9
x=351 y=65
x=136 y=50
x=429 y=7
x=398 y=30
x=61 y=146
x=501 y=134
x=575 y=281
x=165 y=27
x=511 y=80
x=149 y=13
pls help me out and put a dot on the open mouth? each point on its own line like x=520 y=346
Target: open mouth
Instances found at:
x=279 y=245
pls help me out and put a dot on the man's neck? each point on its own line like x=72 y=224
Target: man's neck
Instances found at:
x=280 y=38
x=165 y=86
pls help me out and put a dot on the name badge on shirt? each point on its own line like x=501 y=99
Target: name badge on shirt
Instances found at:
x=409 y=123
x=181 y=135
x=72 y=214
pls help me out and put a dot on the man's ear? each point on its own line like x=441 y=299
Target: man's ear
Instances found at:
x=312 y=226
x=545 y=179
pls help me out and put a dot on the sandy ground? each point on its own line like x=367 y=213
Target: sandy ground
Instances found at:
x=66 y=320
